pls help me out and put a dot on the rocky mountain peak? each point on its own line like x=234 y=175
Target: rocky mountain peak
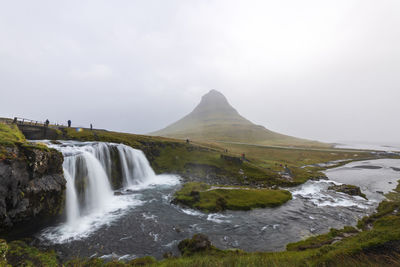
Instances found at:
x=214 y=101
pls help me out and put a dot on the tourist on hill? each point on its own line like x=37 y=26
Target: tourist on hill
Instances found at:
x=69 y=123
x=47 y=123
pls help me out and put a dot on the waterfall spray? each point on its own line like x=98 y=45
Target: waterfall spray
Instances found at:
x=88 y=170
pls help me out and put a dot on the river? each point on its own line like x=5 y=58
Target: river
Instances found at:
x=139 y=220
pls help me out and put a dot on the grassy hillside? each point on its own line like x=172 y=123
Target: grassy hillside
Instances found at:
x=216 y=120
x=271 y=156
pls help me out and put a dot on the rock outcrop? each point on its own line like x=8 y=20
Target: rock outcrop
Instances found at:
x=32 y=186
x=348 y=189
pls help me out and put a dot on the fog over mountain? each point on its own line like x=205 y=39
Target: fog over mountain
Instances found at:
x=310 y=69
x=215 y=119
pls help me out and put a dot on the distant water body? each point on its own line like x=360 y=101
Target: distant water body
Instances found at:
x=389 y=147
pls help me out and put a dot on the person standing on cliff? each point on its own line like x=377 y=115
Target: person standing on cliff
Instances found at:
x=69 y=123
x=47 y=123
x=91 y=127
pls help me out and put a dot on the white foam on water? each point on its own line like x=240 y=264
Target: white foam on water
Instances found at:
x=172 y=243
x=317 y=193
x=218 y=218
x=192 y=212
x=156 y=181
x=114 y=256
x=86 y=225
x=149 y=217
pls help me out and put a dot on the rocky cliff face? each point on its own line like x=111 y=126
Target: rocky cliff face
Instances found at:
x=32 y=186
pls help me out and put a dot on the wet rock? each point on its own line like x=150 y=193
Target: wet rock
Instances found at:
x=32 y=187
x=198 y=243
x=177 y=229
x=118 y=193
x=347 y=189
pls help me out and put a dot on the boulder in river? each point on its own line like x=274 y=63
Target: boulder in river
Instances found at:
x=348 y=189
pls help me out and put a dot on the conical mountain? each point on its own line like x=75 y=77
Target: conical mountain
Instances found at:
x=214 y=119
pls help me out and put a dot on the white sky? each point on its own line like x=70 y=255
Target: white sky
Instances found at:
x=325 y=70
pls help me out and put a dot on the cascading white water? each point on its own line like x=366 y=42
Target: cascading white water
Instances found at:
x=72 y=206
x=98 y=190
x=135 y=167
x=90 y=165
x=89 y=168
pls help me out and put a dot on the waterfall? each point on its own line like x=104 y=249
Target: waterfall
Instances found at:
x=88 y=168
x=135 y=167
x=72 y=206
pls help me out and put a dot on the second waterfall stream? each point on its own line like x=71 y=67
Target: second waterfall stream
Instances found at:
x=93 y=171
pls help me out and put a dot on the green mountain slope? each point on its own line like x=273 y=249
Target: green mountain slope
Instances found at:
x=215 y=119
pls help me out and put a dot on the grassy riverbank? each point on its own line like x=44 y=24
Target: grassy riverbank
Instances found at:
x=12 y=138
x=206 y=198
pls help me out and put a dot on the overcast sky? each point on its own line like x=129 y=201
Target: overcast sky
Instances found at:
x=325 y=70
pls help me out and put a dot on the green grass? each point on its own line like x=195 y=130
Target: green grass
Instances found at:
x=321 y=240
x=10 y=135
x=200 y=162
x=11 y=138
x=201 y=196
x=273 y=157
x=20 y=254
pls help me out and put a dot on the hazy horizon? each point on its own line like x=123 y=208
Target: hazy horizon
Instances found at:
x=315 y=70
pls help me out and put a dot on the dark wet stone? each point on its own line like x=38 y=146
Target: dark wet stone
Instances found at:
x=31 y=188
x=347 y=189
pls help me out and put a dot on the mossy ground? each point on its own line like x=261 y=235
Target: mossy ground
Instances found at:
x=201 y=196
x=20 y=254
x=277 y=157
x=11 y=137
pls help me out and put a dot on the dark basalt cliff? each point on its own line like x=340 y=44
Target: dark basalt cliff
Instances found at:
x=32 y=187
